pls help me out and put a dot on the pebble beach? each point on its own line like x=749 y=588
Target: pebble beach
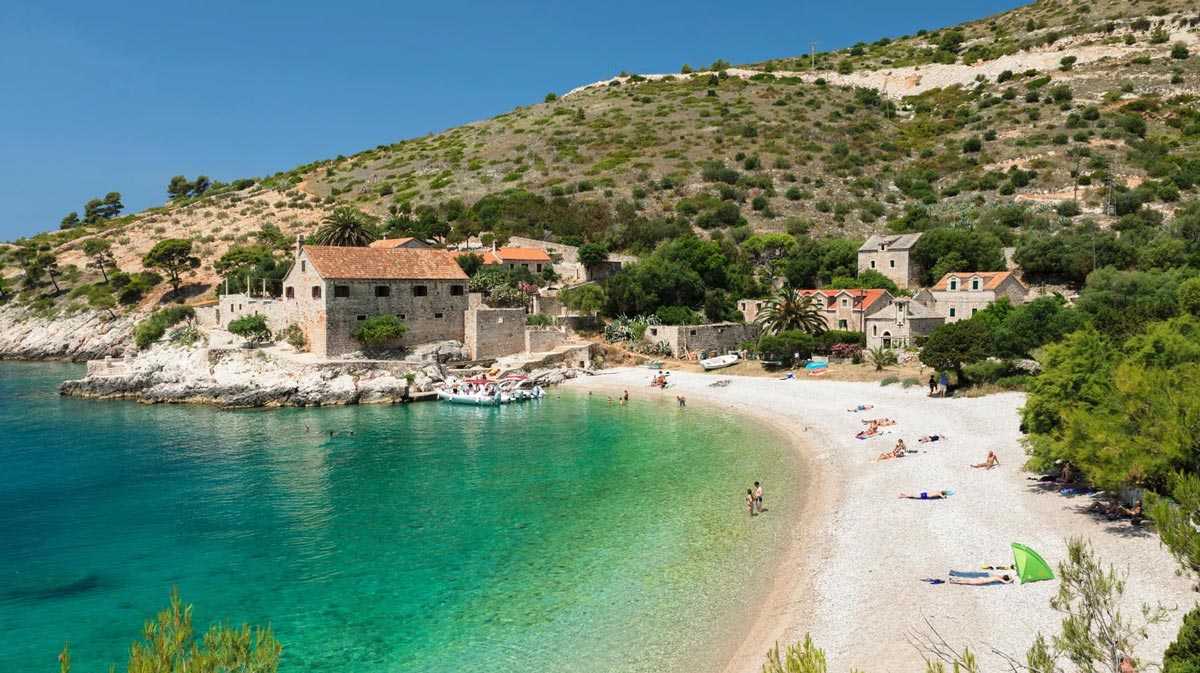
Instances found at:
x=851 y=575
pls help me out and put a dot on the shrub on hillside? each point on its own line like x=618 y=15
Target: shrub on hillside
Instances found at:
x=152 y=329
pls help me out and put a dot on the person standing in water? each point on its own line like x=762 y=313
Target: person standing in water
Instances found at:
x=750 y=501
x=758 y=497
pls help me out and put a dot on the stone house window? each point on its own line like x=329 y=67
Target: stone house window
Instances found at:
x=975 y=284
x=874 y=330
x=361 y=317
x=845 y=302
x=383 y=291
x=872 y=264
x=842 y=324
x=439 y=315
x=892 y=263
x=316 y=292
x=400 y=316
x=952 y=312
x=953 y=284
x=303 y=266
x=974 y=311
x=289 y=292
x=539 y=268
x=420 y=291
x=341 y=291
x=692 y=332
x=456 y=290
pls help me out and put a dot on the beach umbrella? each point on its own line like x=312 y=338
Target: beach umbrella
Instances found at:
x=1030 y=566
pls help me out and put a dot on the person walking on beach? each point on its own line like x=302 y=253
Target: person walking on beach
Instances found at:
x=750 y=501
x=932 y=384
x=625 y=397
x=680 y=399
x=943 y=384
x=758 y=497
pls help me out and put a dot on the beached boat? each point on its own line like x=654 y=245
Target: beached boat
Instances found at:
x=719 y=361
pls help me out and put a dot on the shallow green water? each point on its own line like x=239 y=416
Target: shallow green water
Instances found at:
x=564 y=535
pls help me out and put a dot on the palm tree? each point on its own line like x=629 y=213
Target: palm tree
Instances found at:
x=789 y=310
x=882 y=357
x=346 y=227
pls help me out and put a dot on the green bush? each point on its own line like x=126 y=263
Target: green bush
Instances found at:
x=152 y=329
x=824 y=342
x=187 y=335
x=989 y=371
x=1179 y=51
x=379 y=330
x=678 y=315
x=539 y=320
x=910 y=382
x=294 y=337
x=252 y=328
x=1183 y=655
x=785 y=345
x=889 y=380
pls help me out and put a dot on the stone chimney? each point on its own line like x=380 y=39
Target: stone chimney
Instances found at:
x=299 y=243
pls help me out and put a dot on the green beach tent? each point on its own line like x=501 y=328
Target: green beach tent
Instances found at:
x=1030 y=566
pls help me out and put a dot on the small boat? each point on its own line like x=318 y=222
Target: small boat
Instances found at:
x=719 y=361
x=480 y=399
x=488 y=392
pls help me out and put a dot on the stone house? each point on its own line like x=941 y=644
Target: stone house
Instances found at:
x=960 y=295
x=842 y=309
x=891 y=256
x=566 y=261
x=331 y=290
x=901 y=323
x=684 y=339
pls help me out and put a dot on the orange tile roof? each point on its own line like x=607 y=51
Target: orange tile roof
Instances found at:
x=488 y=257
x=869 y=297
x=383 y=263
x=391 y=242
x=991 y=279
x=522 y=255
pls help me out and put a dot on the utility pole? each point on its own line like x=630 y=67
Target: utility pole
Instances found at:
x=812 y=50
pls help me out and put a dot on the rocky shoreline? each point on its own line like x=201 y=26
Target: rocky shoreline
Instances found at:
x=235 y=378
x=88 y=335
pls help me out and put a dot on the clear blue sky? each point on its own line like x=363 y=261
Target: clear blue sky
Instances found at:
x=120 y=96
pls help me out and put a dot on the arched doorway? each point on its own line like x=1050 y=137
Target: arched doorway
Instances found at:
x=887 y=339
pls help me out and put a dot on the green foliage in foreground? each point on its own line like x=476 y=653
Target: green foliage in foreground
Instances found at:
x=252 y=328
x=1124 y=414
x=1183 y=655
x=786 y=345
x=168 y=645
x=152 y=329
x=379 y=330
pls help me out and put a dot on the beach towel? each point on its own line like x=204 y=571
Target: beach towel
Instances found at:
x=970 y=573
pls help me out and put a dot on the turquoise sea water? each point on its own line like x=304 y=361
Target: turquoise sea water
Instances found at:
x=563 y=535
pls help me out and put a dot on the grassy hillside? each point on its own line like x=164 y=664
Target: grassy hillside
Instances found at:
x=1046 y=103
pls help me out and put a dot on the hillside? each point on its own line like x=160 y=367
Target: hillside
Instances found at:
x=1033 y=107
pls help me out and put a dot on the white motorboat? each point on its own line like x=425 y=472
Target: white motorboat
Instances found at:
x=719 y=361
x=481 y=399
x=494 y=392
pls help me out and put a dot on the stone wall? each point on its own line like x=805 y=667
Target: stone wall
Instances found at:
x=543 y=340
x=684 y=339
x=494 y=332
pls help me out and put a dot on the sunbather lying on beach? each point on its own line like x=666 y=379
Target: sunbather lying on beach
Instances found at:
x=931 y=438
x=992 y=461
x=878 y=421
x=1115 y=509
x=861 y=407
x=899 y=452
x=982 y=581
x=927 y=495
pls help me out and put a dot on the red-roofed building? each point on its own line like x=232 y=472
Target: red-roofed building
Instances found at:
x=330 y=291
x=510 y=258
x=959 y=295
